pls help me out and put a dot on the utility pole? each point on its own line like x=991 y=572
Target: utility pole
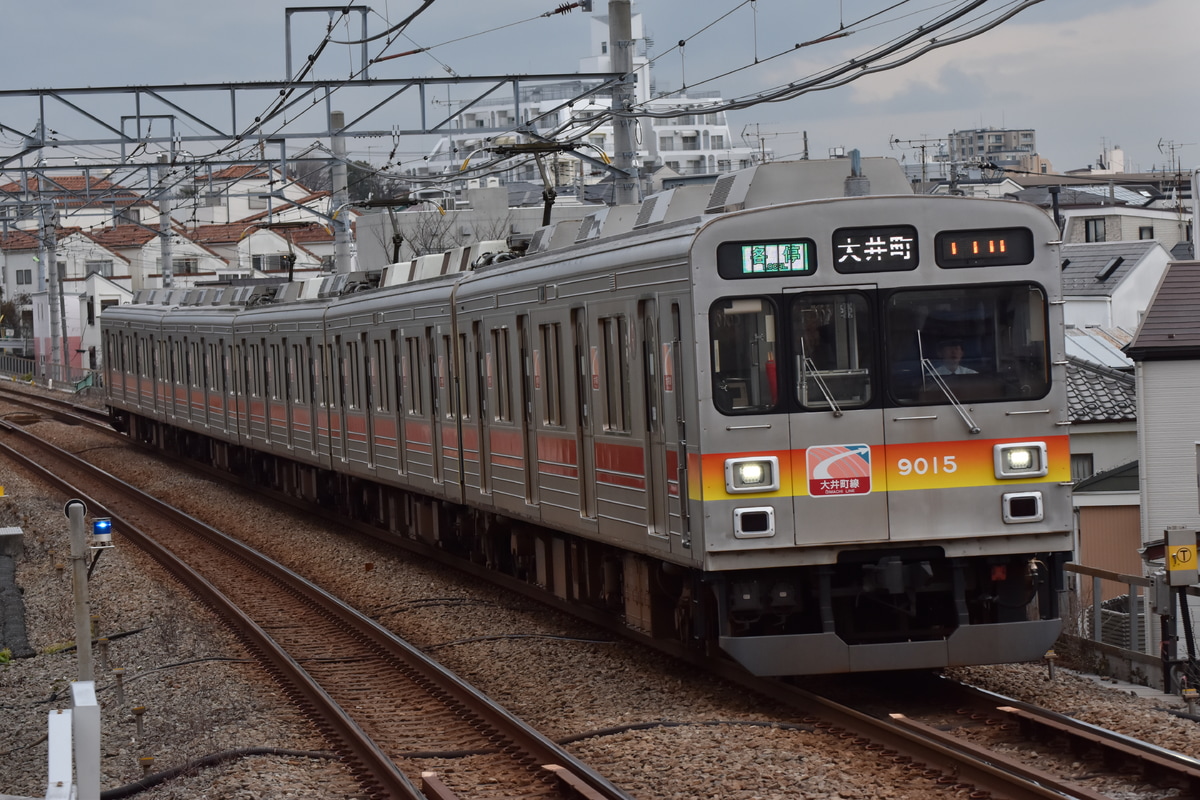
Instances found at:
x=341 y=192
x=164 y=224
x=75 y=511
x=620 y=41
x=49 y=262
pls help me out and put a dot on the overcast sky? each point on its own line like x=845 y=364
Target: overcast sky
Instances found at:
x=1084 y=74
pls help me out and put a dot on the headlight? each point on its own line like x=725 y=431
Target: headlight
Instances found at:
x=759 y=474
x=1020 y=460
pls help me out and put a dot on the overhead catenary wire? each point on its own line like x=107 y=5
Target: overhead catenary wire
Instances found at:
x=865 y=64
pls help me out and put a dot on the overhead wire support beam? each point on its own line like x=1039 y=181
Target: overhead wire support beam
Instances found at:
x=349 y=91
x=363 y=11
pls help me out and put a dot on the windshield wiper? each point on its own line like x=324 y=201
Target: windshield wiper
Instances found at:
x=807 y=366
x=927 y=366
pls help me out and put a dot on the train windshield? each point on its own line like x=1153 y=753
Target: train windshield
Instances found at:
x=983 y=342
x=743 y=355
x=833 y=345
x=823 y=350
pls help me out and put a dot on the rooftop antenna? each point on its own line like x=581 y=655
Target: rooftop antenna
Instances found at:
x=923 y=144
x=1176 y=167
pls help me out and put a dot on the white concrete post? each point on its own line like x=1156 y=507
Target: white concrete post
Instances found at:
x=58 y=760
x=85 y=724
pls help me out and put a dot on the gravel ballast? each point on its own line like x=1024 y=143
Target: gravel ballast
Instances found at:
x=203 y=698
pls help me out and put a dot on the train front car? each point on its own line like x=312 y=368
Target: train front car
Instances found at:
x=883 y=461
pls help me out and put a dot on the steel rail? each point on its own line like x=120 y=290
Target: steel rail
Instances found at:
x=573 y=778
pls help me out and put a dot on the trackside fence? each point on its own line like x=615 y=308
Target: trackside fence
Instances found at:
x=1136 y=636
x=51 y=376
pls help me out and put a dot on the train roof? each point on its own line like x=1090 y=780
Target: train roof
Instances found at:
x=773 y=183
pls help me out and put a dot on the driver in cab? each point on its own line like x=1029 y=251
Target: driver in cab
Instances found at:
x=949 y=358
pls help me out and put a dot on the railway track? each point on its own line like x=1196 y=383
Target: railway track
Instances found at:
x=1014 y=740
x=384 y=706
x=944 y=748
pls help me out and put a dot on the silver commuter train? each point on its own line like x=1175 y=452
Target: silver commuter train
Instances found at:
x=827 y=435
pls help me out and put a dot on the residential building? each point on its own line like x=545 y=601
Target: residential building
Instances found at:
x=1108 y=518
x=82 y=201
x=1166 y=350
x=1109 y=284
x=80 y=306
x=238 y=192
x=997 y=145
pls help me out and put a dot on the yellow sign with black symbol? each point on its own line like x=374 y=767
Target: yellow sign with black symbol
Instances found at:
x=1181 y=557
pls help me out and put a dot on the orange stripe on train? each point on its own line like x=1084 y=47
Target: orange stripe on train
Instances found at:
x=897 y=468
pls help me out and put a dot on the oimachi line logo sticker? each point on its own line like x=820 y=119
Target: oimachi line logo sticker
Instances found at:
x=839 y=469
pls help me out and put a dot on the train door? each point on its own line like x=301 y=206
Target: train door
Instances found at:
x=380 y=416
x=620 y=435
x=222 y=381
x=238 y=388
x=396 y=368
x=205 y=379
x=339 y=416
x=143 y=386
x=674 y=418
x=435 y=411
x=449 y=441
x=657 y=522
x=837 y=438
x=481 y=379
x=276 y=431
x=319 y=360
x=170 y=379
x=162 y=378
x=528 y=419
x=254 y=392
x=369 y=393
x=299 y=431
x=587 y=376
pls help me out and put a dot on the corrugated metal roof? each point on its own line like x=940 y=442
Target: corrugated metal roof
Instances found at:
x=1103 y=346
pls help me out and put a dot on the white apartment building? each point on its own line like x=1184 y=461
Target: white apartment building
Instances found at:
x=692 y=141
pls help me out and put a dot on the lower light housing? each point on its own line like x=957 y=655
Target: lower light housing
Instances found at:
x=754 y=523
x=1023 y=507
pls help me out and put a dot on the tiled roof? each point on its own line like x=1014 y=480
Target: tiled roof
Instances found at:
x=18 y=240
x=309 y=234
x=80 y=191
x=1084 y=263
x=66 y=183
x=1099 y=394
x=237 y=173
x=1171 y=327
x=123 y=236
x=236 y=231
x=245 y=171
x=230 y=233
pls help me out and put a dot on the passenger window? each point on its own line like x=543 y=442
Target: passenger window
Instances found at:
x=614 y=342
x=742 y=334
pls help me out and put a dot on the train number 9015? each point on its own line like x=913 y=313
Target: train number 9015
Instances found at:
x=922 y=466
